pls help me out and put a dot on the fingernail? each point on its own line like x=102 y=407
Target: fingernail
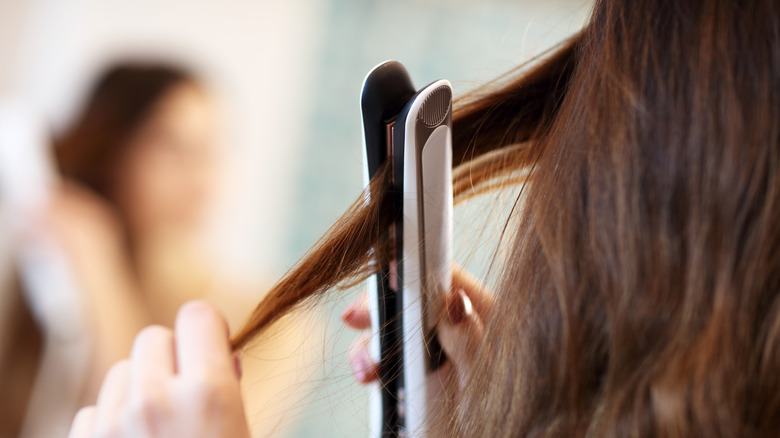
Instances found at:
x=456 y=308
x=239 y=367
x=362 y=368
x=365 y=367
x=359 y=368
x=348 y=313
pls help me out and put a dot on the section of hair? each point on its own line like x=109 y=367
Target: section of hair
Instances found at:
x=345 y=255
x=640 y=297
x=642 y=294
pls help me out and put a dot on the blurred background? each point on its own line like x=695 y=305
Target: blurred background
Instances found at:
x=278 y=84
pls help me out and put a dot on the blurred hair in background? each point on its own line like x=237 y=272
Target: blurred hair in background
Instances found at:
x=119 y=243
x=206 y=145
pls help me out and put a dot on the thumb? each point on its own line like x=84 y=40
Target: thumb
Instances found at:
x=461 y=332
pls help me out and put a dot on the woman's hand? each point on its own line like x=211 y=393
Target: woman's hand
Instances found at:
x=90 y=235
x=84 y=223
x=185 y=385
x=468 y=305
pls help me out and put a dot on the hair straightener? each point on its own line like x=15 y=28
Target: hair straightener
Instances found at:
x=411 y=132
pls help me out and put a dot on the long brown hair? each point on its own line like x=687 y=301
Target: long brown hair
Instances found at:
x=641 y=292
x=122 y=99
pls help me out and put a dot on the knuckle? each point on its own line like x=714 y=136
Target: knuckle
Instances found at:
x=103 y=426
x=118 y=369
x=153 y=333
x=84 y=413
x=108 y=429
x=147 y=406
x=84 y=419
x=197 y=309
x=213 y=395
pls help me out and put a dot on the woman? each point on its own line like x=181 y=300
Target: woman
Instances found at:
x=640 y=294
x=139 y=166
x=144 y=150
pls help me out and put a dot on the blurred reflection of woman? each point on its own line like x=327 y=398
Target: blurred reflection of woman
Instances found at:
x=144 y=150
x=140 y=163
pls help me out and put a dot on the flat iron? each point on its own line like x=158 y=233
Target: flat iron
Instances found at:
x=410 y=131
